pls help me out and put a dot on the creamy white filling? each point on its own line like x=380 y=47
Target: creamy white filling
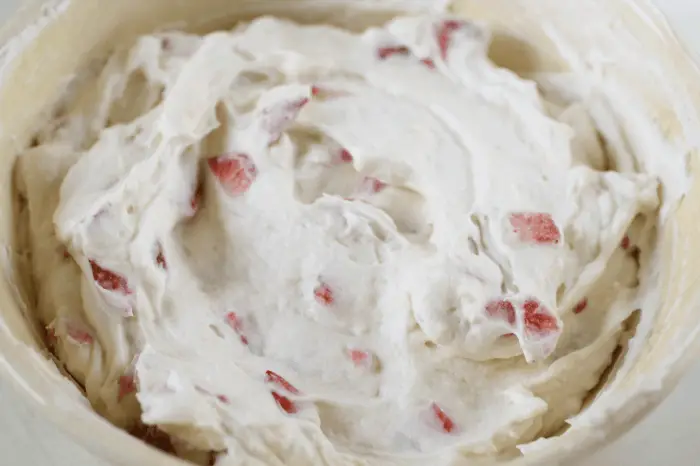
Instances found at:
x=316 y=246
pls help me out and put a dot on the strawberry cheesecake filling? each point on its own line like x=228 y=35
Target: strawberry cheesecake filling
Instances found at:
x=296 y=244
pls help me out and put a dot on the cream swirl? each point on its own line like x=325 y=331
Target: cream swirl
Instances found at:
x=302 y=243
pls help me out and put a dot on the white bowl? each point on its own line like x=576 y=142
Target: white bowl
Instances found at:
x=55 y=41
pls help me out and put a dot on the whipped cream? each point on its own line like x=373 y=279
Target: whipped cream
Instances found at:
x=299 y=244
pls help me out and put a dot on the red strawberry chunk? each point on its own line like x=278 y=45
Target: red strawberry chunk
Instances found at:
x=429 y=63
x=276 y=379
x=324 y=294
x=581 y=306
x=236 y=172
x=538 y=319
x=445 y=421
x=127 y=385
x=374 y=185
x=79 y=335
x=109 y=280
x=444 y=35
x=233 y=321
x=277 y=117
x=346 y=156
x=359 y=357
x=501 y=309
x=625 y=244
x=223 y=398
x=237 y=325
x=285 y=403
x=316 y=91
x=384 y=53
x=535 y=228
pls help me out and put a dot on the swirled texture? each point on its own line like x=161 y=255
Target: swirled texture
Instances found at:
x=299 y=245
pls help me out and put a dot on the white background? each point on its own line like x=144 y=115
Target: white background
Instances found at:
x=670 y=435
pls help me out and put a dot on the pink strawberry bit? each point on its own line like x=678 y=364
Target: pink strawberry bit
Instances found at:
x=315 y=91
x=237 y=325
x=429 y=63
x=109 y=280
x=236 y=172
x=445 y=421
x=276 y=379
x=324 y=294
x=360 y=358
x=444 y=35
x=501 y=309
x=277 y=117
x=384 y=53
x=538 y=319
x=581 y=306
x=345 y=156
x=66 y=254
x=223 y=398
x=285 y=403
x=374 y=185
x=535 y=228
x=79 y=335
x=625 y=243
x=127 y=385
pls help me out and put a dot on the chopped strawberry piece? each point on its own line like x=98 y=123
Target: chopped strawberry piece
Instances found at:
x=446 y=423
x=109 y=280
x=625 y=244
x=79 y=335
x=444 y=35
x=315 y=91
x=276 y=379
x=223 y=398
x=429 y=63
x=233 y=321
x=277 y=117
x=237 y=325
x=285 y=403
x=359 y=357
x=66 y=254
x=324 y=294
x=346 y=156
x=501 y=309
x=509 y=335
x=127 y=385
x=538 y=319
x=385 y=52
x=374 y=185
x=581 y=306
x=535 y=228
x=236 y=172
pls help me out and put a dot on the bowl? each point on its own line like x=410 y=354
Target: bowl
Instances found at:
x=651 y=86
